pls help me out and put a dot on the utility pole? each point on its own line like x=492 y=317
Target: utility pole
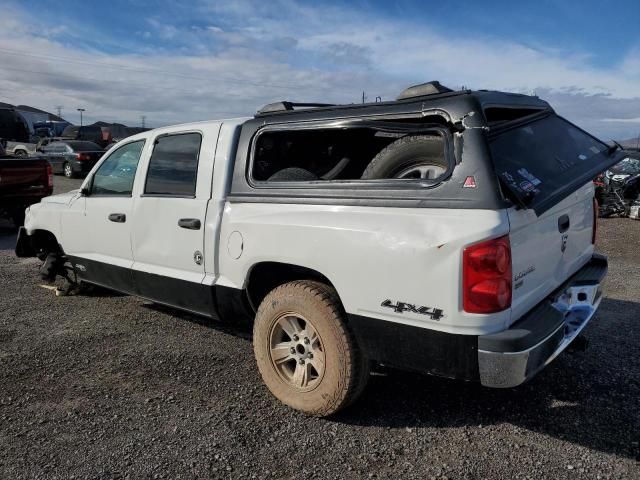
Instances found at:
x=59 y=110
x=364 y=97
x=143 y=118
x=80 y=110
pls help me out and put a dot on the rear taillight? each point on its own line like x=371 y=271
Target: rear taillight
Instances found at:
x=486 y=276
x=83 y=156
x=49 y=176
x=596 y=209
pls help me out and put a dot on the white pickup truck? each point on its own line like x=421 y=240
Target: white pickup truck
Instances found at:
x=447 y=232
x=21 y=149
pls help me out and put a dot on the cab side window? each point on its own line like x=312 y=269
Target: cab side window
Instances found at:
x=116 y=174
x=173 y=166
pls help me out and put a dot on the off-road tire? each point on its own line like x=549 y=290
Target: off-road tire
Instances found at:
x=405 y=153
x=346 y=370
x=293 y=174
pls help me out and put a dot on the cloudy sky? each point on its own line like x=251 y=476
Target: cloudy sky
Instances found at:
x=212 y=59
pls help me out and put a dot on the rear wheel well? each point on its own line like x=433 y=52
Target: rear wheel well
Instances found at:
x=266 y=276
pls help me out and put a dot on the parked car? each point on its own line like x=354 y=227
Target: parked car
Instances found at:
x=43 y=132
x=618 y=188
x=13 y=126
x=620 y=171
x=403 y=233
x=88 y=133
x=54 y=128
x=72 y=158
x=21 y=149
x=23 y=182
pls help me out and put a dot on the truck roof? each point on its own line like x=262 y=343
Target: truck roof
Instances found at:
x=427 y=96
x=418 y=97
x=186 y=126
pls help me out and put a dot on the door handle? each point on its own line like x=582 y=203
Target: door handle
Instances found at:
x=563 y=223
x=118 y=217
x=189 y=223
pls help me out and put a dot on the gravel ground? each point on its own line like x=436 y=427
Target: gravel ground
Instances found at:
x=107 y=386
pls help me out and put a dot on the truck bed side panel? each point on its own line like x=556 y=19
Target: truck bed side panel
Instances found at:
x=397 y=264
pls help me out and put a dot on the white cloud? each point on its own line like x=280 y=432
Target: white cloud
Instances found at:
x=258 y=52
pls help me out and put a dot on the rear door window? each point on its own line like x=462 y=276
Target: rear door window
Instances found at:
x=545 y=160
x=173 y=166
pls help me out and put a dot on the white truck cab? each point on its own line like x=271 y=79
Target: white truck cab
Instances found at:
x=450 y=233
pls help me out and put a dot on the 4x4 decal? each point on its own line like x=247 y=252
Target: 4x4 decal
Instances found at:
x=401 y=307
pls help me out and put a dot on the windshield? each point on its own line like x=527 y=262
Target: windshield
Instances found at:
x=546 y=159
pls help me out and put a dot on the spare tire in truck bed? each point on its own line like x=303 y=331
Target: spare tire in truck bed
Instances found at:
x=293 y=174
x=411 y=157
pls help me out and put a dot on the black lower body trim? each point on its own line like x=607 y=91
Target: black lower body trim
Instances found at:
x=194 y=297
x=418 y=349
x=103 y=274
x=189 y=296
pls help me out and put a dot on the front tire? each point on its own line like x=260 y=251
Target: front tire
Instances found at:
x=306 y=355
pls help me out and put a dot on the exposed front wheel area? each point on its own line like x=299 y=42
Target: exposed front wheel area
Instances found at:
x=305 y=353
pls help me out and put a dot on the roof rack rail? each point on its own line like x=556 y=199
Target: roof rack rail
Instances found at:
x=289 y=106
x=429 y=88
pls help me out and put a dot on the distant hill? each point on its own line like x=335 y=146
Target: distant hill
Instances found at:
x=52 y=117
x=42 y=114
x=630 y=144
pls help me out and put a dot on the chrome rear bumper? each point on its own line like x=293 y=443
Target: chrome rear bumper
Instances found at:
x=512 y=357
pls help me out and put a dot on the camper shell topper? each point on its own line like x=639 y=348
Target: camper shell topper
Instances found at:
x=319 y=153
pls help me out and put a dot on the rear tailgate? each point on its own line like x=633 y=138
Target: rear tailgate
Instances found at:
x=548 y=249
x=546 y=165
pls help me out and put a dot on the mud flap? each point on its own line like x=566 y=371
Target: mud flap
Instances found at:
x=24 y=246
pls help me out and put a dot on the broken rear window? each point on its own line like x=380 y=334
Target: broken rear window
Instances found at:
x=347 y=153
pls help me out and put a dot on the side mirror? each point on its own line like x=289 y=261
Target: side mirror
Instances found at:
x=85 y=192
